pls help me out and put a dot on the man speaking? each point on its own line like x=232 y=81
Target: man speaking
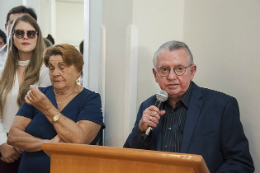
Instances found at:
x=193 y=120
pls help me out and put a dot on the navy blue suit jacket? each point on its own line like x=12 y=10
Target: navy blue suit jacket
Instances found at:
x=212 y=129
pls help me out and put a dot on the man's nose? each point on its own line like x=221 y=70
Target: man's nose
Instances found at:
x=172 y=74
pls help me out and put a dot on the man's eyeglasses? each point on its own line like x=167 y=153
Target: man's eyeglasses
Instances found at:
x=178 y=70
x=20 y=34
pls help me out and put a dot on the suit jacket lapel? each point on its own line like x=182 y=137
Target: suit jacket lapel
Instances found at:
x=191 y=118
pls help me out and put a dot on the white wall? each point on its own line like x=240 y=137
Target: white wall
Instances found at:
x=69 y=22
x=116 y=16
x=157 y=22
x=224 y=37
x=47 y=14
x=94 y=39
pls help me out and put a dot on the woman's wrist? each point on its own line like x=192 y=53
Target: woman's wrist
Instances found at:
x=48 y=109
x=50 y=113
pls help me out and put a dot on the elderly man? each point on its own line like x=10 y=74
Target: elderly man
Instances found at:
x=10 y=17
x=193 y=120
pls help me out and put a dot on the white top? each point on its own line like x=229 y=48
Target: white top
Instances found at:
x=3 y=55
x=11 y=106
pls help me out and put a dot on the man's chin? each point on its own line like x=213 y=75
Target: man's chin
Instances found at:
x=175 y=93
x=172 y=92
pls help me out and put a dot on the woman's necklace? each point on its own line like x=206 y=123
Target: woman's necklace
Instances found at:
x=58 y=103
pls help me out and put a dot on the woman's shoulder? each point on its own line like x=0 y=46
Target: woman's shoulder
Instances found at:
x=89 y=92
x=89 y=95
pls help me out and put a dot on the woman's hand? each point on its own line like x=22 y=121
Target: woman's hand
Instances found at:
x=57 y=139
x=37 y=99
x=10 y=153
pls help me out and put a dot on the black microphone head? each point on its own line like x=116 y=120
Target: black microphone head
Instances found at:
x=162 y=96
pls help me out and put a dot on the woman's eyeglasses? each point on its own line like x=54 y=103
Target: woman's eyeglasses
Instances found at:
x=20 y=34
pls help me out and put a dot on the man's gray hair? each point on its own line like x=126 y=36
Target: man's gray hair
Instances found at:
x=172 y=46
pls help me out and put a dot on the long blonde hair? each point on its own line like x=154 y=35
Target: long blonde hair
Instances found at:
x=32 y=71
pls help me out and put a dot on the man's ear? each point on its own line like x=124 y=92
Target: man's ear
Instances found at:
x=193 y=71
x=155 y=74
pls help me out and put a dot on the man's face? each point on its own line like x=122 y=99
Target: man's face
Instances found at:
x=12 y=17
x=174 y=85
x=1 y=42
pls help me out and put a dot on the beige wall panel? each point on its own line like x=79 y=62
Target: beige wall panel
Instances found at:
x=157 y=22
x=69 y=23
x=224 y=37
x=116 y=17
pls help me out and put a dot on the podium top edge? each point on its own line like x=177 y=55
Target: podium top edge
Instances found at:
x=123 y=153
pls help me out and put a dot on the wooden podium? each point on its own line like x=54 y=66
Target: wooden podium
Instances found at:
x=78 y=158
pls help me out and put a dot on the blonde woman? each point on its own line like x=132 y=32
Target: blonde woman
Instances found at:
x=23 y=67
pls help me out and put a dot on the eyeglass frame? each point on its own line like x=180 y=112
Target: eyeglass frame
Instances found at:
x=36 y=33
x=174 y=70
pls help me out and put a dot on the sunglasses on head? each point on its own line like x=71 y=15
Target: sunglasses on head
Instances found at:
x=20 y=34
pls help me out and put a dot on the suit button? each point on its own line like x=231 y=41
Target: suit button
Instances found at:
x=166 y=146
x=169 y=128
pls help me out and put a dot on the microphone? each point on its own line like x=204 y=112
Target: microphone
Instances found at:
x=161 y=97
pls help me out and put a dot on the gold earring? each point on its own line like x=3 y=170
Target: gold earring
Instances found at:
x=78 y=80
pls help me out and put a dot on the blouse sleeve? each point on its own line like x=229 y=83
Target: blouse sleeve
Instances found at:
x=26 y=110
x=92 y=110
x=3 y=135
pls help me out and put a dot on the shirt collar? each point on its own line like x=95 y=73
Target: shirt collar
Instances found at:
x=185 y=99
x=4 y=48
